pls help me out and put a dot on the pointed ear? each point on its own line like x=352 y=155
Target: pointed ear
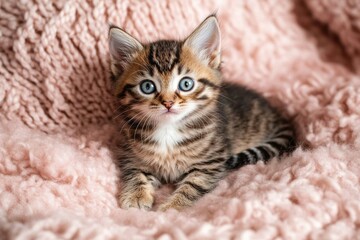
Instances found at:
x=122 y=47
x=206 y=41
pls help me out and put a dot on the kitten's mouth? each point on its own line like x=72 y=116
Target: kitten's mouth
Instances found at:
x=170 y=112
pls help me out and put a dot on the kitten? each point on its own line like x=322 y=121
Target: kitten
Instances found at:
x=180 y=122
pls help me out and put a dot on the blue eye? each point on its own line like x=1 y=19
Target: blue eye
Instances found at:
x=147 y=87
x=186 y=84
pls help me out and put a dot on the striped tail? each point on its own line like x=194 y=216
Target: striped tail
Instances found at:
x=282 y=141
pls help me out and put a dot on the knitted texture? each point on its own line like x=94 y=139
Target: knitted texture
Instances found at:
x=343 y=18
x=57 y=174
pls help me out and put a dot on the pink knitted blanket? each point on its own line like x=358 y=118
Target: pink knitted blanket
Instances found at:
x=57 y=175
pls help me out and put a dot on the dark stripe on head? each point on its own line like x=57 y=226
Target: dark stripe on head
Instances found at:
x=164 y=55
x=151 y=71
x=179 y=69
x=208 y=83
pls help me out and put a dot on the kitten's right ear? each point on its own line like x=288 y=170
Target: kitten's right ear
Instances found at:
x=122 y=48
x=206 y=41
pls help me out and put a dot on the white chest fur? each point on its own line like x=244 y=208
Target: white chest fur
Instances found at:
x=167 y=136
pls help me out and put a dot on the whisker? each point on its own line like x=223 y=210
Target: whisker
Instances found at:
x=138 y=126
x=126 y=122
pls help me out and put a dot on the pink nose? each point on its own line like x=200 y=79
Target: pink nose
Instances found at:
x=168 y=104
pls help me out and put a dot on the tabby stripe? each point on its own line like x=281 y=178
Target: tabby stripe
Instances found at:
x=284 y=136
x=276 y=145
x=208 y=83
x=192 y=139
x=234 y=161
x=198 y=92
x=253 y=154
x=264 y=153
x=146 y=173
x=151 y=71
x=129 y=174
x=272 y=150
x=126 y=88
x=135 y=124
x=249 y=158
x=209 y=172
x=138 y=184
x=284 y=128
x=217 y=160
x=202 y=98
x=188 y=196
x=198 y=188
x=179 y=69
x=157 y=94
x=258 y=153
x=200 y=122
x=145 y=140
x=131 y=122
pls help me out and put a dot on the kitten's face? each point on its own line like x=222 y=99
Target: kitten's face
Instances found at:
x=167 y=81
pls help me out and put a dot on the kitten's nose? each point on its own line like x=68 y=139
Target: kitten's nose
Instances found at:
x=167 y=104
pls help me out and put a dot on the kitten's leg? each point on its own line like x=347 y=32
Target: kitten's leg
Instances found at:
x=137 y=190
x=196 y=183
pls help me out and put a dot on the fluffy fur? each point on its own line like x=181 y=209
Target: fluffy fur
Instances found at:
x=62 y=183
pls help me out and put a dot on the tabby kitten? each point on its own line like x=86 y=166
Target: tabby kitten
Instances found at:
x=181 y=123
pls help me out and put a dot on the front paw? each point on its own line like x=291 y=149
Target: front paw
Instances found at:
x=177 y=205
x=139 y=198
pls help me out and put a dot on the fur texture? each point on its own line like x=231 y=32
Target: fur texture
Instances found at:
x=53 y=79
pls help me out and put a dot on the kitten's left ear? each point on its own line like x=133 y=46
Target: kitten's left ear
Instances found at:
x=206 y=41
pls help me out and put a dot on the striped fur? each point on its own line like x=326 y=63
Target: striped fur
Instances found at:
x=212 y=129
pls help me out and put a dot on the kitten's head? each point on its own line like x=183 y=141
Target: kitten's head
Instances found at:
x=167 y=80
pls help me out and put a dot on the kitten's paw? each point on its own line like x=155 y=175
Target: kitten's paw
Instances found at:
x=171 y=205
x=139 y=198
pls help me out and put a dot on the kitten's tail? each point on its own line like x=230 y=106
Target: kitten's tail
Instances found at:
x=282 y=141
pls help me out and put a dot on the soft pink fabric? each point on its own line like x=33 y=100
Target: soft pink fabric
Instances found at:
x=57 y=175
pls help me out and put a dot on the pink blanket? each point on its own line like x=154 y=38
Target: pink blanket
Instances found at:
x=57 y=175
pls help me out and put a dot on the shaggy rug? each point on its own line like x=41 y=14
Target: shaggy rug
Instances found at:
x=58 y=179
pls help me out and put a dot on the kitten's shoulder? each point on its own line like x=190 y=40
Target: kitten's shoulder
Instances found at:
x=236 y=93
